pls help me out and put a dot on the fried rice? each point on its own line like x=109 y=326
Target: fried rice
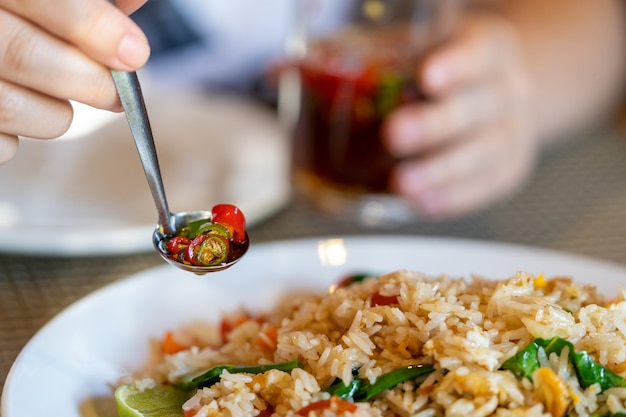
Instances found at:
x=524 y=346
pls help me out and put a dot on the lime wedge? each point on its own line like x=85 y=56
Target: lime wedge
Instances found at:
x=160 y=401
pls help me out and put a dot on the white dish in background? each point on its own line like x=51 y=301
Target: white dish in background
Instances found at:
x=86 y=193
x=73 y=361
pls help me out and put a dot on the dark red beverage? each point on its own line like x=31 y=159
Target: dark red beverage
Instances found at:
x=346 y=94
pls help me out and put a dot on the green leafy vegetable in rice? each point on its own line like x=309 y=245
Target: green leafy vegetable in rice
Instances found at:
x=525 y=363
x=359 y=390
x=405 y=344
x=211 y=376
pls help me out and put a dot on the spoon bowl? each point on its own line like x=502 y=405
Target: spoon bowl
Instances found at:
x=177 y=222
x=129 y=90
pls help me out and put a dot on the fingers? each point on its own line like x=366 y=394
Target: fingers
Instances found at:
x=424 y=126
x=55 y=51
x=470 y=175
x=483 y=45
x=33 y=59
x=484 y=81
x=8 y=147
x=470 y=142
x=27 y=113
x=96 y=27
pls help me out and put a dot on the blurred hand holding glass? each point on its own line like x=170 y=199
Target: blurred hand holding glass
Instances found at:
x=350 y=79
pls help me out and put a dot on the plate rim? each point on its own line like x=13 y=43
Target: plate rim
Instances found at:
x=368 y=239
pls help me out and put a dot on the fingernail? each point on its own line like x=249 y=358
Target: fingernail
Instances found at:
x=412 y=184
x=436 y=77
x=404 y=136
x=409 y=181
x=133 y=50
x=430 y=203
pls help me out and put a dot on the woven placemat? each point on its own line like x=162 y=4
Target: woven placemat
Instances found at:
x=576 y=202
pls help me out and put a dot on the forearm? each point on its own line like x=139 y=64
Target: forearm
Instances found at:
x=575 y=52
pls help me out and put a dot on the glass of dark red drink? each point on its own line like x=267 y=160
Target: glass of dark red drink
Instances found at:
x=350 y=79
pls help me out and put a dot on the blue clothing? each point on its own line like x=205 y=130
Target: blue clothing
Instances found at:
x=224 y=44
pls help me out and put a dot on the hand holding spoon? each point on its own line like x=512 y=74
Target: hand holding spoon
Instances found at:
x=170 y=225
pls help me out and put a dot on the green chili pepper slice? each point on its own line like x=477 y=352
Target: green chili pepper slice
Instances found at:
x=389 y=93
x=344 y=391
x=192 y=250
x=211 y=376
x=191 y=230
x=390 y=380
x=353 y=278
x=209 y=228
x=213 y=250
x=361 y=391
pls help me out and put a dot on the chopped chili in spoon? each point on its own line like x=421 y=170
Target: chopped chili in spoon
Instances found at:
x=212 y=241
x=177 y=247
x=231 y=217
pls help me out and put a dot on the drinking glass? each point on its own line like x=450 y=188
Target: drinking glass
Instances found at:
x=351 y=68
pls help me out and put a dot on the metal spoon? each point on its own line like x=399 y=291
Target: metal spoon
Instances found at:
x=129 y=90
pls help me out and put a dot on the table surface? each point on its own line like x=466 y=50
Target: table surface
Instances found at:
x=575 y=202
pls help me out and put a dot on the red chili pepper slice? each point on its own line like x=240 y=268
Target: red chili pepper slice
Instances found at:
x=335 y=404
x=170 y=345
x=207 y=242
x=267 y=412
x=377 y=299
x=177 y=244
x=228 y=324
x=352 y=278
x=232 y=217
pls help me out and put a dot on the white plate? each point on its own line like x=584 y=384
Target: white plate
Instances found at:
x=69 y=366
x=86 y=193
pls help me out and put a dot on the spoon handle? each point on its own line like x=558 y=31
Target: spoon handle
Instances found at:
x=129 y=90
